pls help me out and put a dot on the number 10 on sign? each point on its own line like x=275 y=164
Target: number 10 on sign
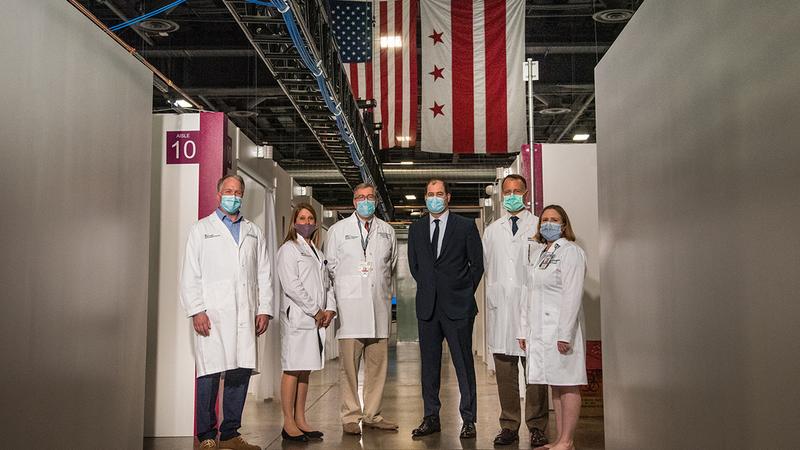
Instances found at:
x=181 y=147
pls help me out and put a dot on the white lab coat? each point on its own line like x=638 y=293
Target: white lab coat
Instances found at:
x=552 y=311
x=504 y=261
x=305 y=290
x=231 y=282
x=364 y=303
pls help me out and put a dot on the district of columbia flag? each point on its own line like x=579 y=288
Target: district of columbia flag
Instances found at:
x=378 y=45
x=473 y=94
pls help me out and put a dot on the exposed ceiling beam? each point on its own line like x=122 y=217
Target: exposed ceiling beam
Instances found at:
x=566 y=49
x=253 y=92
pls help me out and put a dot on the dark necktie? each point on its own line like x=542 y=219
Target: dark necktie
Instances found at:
x=435 y=240
x=366 y=226
x=514 y=227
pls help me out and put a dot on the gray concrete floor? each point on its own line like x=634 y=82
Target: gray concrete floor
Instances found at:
x=261 y=424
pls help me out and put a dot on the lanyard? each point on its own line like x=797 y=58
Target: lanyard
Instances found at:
x=364 y=242
x=545 y=258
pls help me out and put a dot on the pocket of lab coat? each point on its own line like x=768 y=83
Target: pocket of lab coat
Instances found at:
x=220 y=295
x=348 y=287
x=492 y=295
x=300 y=320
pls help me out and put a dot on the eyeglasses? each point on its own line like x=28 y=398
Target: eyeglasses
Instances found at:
x=437 y=194
x=365 y=197
x=232 y=192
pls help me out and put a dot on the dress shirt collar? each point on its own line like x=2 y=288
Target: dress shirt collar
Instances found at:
x=442 y=218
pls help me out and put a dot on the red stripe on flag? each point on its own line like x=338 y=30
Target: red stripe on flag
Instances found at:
x=496 y=93
x=463 y=108
x=354 y=79
x=412 y=59
x=384 y=77
x=370 y=93
x=398 y=73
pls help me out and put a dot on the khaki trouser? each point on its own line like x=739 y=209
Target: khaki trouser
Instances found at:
x=536 y=410
x=375 y=352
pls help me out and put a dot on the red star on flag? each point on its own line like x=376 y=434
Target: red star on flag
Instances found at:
x=437 y=109
x=437 y=72
x=437 y=37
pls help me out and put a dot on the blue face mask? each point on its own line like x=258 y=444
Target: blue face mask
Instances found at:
x=551 y=231
x=365 y=208
x=435 y=204
x=230 y=204
x=513 y=203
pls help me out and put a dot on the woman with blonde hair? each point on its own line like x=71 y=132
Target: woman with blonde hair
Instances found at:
x=307 y=308
x=551 y=328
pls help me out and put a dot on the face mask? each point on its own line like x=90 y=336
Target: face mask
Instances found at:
x=365 y=208
x=230 y=203
x=305 y=230
x=551 y=231
x=513 y=203
x=435 y=204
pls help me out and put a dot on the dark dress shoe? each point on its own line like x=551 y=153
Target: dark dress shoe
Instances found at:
x=313 y=434
x=538 y=438
x=467 y=431
x=506 y=437
x=288 y=437
x=429 y=425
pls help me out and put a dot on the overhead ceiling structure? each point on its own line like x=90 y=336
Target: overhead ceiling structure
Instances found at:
x=239 y=58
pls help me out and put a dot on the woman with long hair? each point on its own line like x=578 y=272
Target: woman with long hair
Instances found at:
x=551 y=330
x=307 y=308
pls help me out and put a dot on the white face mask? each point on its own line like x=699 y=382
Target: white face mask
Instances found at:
x=551 y=231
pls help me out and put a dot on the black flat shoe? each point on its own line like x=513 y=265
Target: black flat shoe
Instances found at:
x=506 y=437
x=429 y=425
x=468 y=431
x=313 y=434
x=288 y=437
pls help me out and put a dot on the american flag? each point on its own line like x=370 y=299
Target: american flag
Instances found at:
x=473 y=96
x=381 y=61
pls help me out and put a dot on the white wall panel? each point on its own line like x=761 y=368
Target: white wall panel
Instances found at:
x=697 y=104
x=75 y=181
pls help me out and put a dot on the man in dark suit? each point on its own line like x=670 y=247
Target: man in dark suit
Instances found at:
x=446 y=259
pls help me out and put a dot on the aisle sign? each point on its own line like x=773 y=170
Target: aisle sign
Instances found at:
x=183 y=147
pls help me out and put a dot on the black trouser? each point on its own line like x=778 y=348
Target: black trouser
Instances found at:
x=459 y=339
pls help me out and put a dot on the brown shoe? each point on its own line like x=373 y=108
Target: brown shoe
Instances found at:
x=237 y=443
x=351 y=428
x=208 y=444
x=382 y=424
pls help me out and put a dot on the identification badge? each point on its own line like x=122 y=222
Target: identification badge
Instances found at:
x=364 y=268
x=546 y=260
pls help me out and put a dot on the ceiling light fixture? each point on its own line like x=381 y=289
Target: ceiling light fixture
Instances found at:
x=416 y=213
x=552 y=111
x=613 y=16
x=411 y=197
x=580 y=137
x=406 y=163
x=181 y=103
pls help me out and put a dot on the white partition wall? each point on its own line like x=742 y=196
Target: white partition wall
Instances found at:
x=74 y=176
x=569 y=179
x=189 y=153
x=697 y=110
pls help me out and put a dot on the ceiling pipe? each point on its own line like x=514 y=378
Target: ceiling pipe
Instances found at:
x=133 y=52
x=576 y=118
x=110 y=5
